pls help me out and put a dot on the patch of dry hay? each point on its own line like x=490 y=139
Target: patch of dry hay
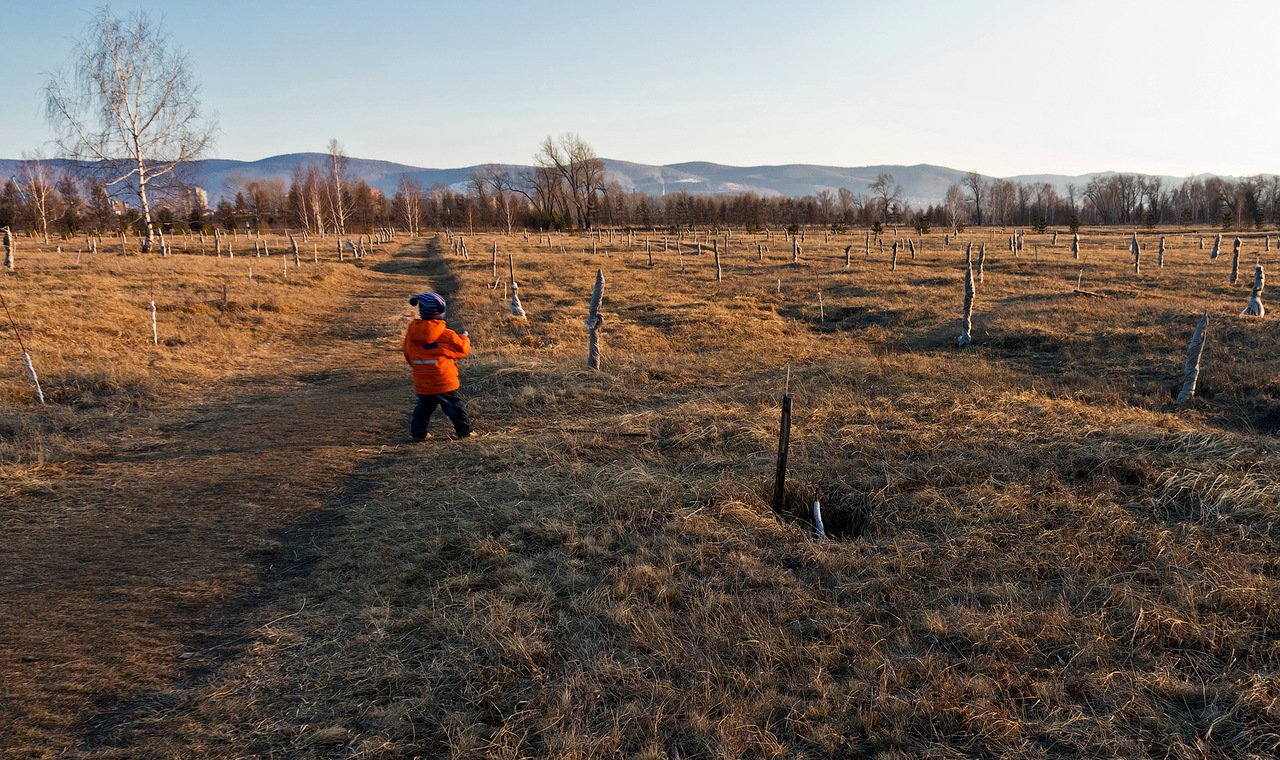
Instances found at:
x=1051 y=561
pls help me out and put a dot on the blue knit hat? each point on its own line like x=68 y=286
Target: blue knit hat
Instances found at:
x=430 y=305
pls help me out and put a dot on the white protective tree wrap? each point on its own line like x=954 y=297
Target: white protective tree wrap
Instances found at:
x=966 y=318
x=1191 y=370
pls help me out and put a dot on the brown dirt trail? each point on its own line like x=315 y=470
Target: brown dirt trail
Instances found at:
x=135 y=574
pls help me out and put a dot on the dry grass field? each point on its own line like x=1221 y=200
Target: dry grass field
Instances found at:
x=225 y=545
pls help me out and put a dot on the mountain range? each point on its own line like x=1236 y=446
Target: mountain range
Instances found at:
x=922 y=184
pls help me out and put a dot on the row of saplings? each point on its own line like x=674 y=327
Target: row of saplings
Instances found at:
x=1195 y=350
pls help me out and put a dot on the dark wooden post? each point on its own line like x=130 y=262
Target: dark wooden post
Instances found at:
x=784 y=443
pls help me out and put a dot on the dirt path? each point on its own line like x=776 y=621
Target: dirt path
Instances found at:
x=139 y=573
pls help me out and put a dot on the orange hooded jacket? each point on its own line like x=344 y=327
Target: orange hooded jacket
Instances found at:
x=430 y=348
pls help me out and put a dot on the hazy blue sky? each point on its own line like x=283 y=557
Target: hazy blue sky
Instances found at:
x=999 y=86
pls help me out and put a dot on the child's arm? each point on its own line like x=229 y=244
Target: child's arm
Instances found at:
x=455 y=346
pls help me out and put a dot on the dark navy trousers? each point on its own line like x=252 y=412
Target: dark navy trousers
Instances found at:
x=450 y=402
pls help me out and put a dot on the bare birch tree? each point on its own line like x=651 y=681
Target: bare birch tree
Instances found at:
x=131 y=111
x=408 y=204
x=338 y=203
x=297 y=200
x=313 y=190
x=956 y=207
x=36 y=178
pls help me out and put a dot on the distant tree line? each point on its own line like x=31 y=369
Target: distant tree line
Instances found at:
x=1127 y=199
x=567 y=188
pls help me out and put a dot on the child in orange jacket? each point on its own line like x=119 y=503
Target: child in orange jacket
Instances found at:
x=431 y=348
